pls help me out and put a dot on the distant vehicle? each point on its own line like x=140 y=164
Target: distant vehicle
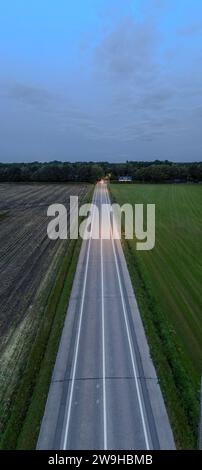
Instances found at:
x=125 y=179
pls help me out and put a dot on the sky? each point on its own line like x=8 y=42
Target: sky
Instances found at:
x=94 y=80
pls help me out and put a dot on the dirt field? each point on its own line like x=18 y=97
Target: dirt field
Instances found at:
x=28 y=262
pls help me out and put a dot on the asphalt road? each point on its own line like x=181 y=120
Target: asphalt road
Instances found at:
x=104 y=392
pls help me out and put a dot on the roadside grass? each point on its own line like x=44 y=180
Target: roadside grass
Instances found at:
x=27 y=412
x=3 y=215
x=167 y=283
x=29 y=433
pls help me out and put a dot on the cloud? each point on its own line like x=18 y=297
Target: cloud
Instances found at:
x=198 y=111
x=57 y=107
x=191 y=29
x=156 y=98
x=149 y=96
x=30 y=94
x=154 y=8
x=127 y=52
x=160 y=4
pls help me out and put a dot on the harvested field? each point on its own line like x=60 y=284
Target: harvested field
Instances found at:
x=25 y=250
x=29 y=264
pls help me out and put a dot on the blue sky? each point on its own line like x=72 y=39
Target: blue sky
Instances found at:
x=100 y=80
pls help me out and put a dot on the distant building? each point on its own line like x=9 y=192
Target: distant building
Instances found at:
x=125 y=179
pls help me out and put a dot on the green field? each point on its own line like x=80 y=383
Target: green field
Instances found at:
x=167 y=281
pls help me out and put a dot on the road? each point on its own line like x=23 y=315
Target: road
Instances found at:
x=104 y=392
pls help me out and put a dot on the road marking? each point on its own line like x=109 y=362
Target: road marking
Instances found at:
x=78 y=336
x=103 y=341
x=129 y=338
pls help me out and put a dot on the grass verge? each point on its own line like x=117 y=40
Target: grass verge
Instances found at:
x=3 y=215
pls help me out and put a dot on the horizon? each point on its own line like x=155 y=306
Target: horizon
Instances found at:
x=101 y=162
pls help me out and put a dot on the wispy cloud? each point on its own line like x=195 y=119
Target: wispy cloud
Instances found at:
x=29 y=94
x=192 y=29
x=126 y=52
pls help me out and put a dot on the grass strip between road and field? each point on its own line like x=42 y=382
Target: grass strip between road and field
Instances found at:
x=27 y=412
x=180 y=396
x=3 y=215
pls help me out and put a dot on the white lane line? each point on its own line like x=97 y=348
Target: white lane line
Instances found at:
x=129 y=339
x=103 y=339
x=78 y=338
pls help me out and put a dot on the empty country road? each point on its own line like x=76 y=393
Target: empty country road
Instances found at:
x=104 y=393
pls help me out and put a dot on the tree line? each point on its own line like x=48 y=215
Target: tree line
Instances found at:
x=146 y=172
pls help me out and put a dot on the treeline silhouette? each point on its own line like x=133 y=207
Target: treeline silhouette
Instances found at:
x=56 y=171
